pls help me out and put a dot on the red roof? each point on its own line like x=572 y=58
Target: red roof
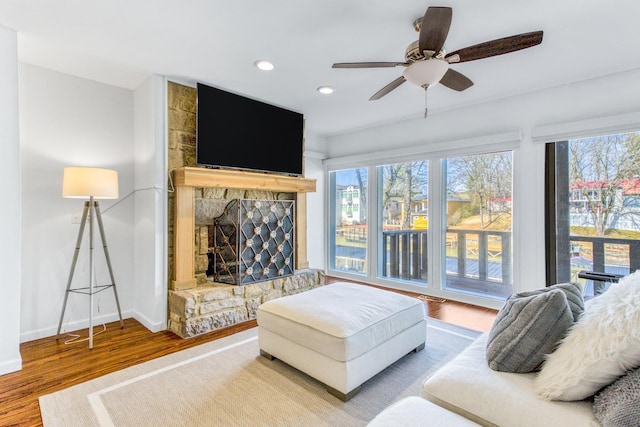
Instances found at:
x=629 y=186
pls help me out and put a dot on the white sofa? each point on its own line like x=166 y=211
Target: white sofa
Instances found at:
x=467 y=386
x=548 y=370
x=466 y=392
x=413 y=411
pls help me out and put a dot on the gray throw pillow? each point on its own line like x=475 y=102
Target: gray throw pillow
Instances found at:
x=573 y=291
x=618 y=405
x=527 y=327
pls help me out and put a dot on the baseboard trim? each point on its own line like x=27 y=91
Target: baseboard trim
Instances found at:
x=11 y=365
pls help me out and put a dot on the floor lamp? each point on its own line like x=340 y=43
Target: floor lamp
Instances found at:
x=92 y=184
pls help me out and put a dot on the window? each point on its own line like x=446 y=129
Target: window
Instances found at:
x=403 y=220
x=438 y=223
x=348 y=240
x=593 y=219
x=477 y=236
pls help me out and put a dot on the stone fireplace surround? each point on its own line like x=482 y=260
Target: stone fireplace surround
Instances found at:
x=197 y=306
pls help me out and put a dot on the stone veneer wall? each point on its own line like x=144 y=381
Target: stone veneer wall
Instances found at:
x=181 y=123
x=212 y=306
x=205 y=309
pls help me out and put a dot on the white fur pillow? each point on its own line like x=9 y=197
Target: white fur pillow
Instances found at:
x=600 y=347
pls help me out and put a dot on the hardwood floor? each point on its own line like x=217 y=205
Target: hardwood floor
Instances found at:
x=49 y=365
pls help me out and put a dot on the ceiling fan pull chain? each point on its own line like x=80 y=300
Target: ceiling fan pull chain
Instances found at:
x=425 y=100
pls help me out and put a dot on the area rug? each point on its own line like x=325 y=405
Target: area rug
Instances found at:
x=227 y=383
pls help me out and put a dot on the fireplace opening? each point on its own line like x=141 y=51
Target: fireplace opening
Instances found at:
x=252 y=241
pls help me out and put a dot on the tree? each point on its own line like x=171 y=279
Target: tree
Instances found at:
x=485 y=178
x=390 y=183
x=361 y=176
x=632 y=158
x=598 y=168
x=403 y=182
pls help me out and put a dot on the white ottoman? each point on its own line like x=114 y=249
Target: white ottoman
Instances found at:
x=341 y=334
x=414 y=411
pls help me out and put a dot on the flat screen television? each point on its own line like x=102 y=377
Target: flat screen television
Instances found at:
x=237 y=132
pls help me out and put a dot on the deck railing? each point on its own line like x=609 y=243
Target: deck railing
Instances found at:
x=480 y=254
x=481 y=260
x=404 y=254
x=605 y=255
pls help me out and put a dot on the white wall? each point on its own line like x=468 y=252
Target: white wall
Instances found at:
x=606 y=104
x=314 y=169
x=150 y=272
x=10 y=359
x=69 y=121
x=591 y=99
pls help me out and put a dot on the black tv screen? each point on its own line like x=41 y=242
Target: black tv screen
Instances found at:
x=237 y=132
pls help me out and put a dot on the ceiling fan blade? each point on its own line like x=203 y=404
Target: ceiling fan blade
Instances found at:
x=455 y=80
x=498 y=46
x=434 y=29
x=388 y=88
x=367 y=64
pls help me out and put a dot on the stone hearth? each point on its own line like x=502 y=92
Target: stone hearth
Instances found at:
x=204 y=309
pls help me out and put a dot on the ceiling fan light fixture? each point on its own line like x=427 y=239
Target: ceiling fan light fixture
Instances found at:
x=263 y=65
x=426 y=73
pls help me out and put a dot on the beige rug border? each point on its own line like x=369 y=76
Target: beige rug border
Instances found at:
x=100 y=410
x=144 y=369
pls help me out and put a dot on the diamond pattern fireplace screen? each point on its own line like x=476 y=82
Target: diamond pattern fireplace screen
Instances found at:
x=253 y=241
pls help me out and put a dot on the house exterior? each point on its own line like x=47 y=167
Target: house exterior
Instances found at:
x=351 y=211
x=624 y=202
x=419 y=215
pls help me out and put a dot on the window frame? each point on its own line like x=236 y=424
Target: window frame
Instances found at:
x=557 y=231
x=434 y=155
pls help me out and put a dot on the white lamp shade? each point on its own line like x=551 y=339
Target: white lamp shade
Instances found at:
x=427 y=72
x=82 y=183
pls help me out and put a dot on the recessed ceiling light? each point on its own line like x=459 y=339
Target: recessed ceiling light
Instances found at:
x=325 y=90
x=264 y=65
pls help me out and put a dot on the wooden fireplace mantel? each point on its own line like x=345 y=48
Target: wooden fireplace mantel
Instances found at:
x=186 y=179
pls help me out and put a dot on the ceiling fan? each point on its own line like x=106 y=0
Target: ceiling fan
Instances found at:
x=427 y=64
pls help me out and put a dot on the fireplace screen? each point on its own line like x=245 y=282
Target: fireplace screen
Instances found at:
x=253 y=241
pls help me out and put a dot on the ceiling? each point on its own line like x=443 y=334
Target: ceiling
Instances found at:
x=122 y=42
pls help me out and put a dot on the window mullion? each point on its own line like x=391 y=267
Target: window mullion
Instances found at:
x=435 y=232
x=372 y=223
